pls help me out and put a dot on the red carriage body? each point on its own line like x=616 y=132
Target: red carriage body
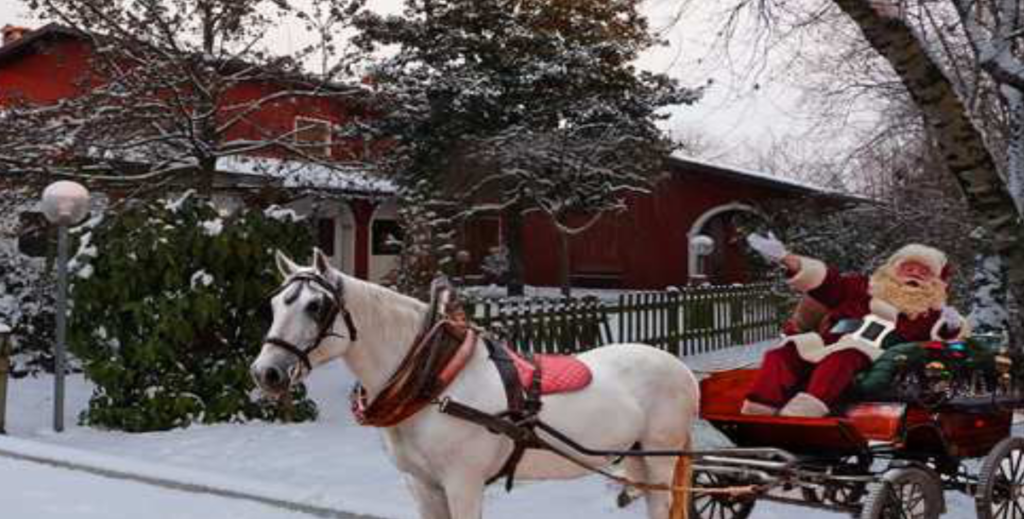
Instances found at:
x=836 y=458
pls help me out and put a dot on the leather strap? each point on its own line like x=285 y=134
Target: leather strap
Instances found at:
x=522 y=409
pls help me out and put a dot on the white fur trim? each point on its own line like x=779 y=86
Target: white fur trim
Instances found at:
x=810 y=276
x=962 y=333
x=808 y=345
x=814 y=351
x=805 y=405
x=883 y=309
x=934 y=258
x=755 y=409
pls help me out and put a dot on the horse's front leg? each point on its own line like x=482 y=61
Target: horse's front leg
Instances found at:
x=431 y=500
x=465 y=497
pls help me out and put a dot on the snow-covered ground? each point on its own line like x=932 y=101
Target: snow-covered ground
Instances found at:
x=36 y=491
x=332 y=463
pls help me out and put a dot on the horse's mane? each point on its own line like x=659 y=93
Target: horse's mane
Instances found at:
x=387 y=314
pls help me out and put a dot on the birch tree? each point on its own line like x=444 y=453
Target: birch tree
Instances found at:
x=913 y=38
x=992 y=192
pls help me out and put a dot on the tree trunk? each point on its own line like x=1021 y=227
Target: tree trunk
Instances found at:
x=959 y=141
x=989 y=305
x=514 y=243
x=205 y=174
x=563 y=264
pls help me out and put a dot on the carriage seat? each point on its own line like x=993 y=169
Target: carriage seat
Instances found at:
x=558 y=373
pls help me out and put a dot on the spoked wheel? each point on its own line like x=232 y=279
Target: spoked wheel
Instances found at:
x=904 y=493
x=842 y=494
x=719 y=506
x=1000 y=492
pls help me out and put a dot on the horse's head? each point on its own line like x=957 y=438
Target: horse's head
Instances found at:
x=311 y=324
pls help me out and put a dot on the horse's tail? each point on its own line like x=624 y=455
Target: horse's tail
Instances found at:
x=682 y=480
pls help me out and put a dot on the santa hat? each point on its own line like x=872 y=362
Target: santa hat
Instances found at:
x=931 y=257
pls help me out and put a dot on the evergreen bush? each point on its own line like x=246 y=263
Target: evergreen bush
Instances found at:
x=169 y=310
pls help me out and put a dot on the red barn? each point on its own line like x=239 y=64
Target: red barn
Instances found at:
x=647 y=247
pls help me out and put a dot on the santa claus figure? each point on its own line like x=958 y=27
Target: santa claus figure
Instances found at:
x=903 y=301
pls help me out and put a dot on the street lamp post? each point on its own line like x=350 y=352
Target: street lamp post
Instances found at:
x=701 y=246
x=64 y=203
x=5 y=368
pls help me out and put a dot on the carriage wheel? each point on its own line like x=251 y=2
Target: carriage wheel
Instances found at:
x=904 y=493
x=842 y=494
x=1000 y=493
x=719 y=506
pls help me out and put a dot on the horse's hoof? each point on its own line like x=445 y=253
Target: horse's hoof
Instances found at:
x=625 y=498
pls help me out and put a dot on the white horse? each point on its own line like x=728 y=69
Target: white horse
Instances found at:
x=638 y=394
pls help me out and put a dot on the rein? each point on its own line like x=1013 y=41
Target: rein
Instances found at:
x=437 y=355
x=325 y=323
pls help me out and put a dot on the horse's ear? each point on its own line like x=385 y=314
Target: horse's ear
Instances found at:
x=321 y=262
x=286 y=266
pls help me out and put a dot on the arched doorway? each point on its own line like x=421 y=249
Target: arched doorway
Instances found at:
x=726 y=263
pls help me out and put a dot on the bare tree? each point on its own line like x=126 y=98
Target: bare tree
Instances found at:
x=174 y=88
x=949 y=59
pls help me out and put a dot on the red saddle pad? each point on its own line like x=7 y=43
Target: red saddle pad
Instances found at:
x=558 y=373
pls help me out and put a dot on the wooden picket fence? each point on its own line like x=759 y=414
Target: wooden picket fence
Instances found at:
x=683 y=322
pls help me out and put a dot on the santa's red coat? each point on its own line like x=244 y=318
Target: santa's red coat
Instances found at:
x=820 y=362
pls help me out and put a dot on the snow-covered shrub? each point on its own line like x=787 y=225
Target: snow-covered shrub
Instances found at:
x=26 y=290
x=170 y=309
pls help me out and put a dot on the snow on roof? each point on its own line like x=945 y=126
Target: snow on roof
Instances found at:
x=759 y=176
x=300 y=174
x=361 y=180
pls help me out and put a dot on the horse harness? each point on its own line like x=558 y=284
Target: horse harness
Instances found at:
x=410 y=389
x=439 y=352
x=324 y=321
x=518 y=422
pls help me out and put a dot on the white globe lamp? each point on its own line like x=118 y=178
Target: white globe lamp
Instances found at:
x=64 y=203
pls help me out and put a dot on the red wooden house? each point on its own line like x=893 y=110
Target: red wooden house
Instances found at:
x=52 y=63
x=648 y=246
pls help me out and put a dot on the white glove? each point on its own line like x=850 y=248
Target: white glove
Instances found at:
x=951 y=318
x=768 y=247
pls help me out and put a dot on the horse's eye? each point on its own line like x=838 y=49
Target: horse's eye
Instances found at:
x=313 y=308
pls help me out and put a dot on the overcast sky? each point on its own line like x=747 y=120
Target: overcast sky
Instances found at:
x=742 y=113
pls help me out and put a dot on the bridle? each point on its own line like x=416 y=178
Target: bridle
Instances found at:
x=325 y=323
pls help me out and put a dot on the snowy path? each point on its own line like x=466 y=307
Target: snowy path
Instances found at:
x=43 y=492
x=333 y=463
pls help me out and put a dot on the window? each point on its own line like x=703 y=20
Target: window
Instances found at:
x=325 y=235
x=313 y=136
x=34 y=234
x=387 y=238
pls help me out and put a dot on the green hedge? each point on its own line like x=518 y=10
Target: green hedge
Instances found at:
x=170 y=308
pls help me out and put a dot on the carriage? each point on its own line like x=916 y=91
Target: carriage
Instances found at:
x=875 y=459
